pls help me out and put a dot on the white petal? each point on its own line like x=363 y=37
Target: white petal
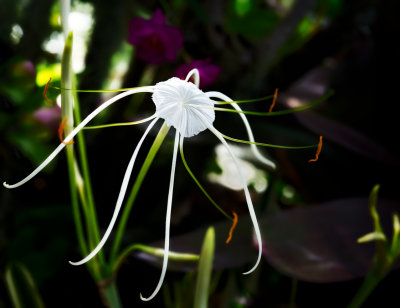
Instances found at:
x=76 y=130
x=120 y=198
x=167 y=222
x=253 y=147
x=247 y=195
x=196 y=76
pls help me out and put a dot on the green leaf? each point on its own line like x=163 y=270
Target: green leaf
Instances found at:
x=21 y=287
x=205 y=270
x=373 y=236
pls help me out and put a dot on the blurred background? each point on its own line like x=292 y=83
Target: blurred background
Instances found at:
x=249 y=48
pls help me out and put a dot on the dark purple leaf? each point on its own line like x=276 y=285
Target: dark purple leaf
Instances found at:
x=319 y=243
x=312 y=86
x=316 y=244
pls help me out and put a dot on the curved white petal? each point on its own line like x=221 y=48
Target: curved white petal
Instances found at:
x=196 y=76
x=253 y=147
x=247 y=195
x=167 y=222
x=120 y=199
x=76 y=130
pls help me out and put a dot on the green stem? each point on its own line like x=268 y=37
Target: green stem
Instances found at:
x=109 y=294
x=369 y=284
x=87 y=198
x=135 y=189
x=66 y=110
x=380 y=267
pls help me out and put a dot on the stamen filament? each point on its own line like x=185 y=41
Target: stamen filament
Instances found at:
x=229 y=101
x=198 y=183
x=269 y=145
x=121 y=124
x=97 y=91
x=76 y=131
x=273 y=113
x=245 y=188
x=167 y=222
x=319 y=148
x=120 y=199
x=234 y=223
x=246 y=123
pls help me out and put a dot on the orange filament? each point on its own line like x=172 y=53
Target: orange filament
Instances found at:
x=45 y=92
x=274 y=100
x=318 y=150
x=235 y=220
x=61 y=131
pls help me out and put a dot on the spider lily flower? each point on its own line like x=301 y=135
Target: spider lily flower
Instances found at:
x=190 y=111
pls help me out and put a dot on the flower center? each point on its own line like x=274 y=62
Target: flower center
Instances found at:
x=183 y=105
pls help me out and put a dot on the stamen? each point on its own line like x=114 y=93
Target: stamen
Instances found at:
x=45 y=92
x=274 y=100
x=268 y=114
x=319 y=148
x=234 y=223
x=245 y=188
x=198 y=183
x=246 y=123
x=61 y=129
x=76 y=130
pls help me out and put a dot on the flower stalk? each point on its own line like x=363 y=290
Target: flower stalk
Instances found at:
x=386 y=252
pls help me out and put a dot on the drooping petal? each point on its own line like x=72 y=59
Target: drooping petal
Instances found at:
x=246 y=192
x=120 y=199
x=167 y=222
x=253 y=147
x=76 y=130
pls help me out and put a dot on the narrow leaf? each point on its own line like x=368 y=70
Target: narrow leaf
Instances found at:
x=205 y=270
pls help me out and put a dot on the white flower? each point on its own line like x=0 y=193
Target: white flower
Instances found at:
x=190 y=111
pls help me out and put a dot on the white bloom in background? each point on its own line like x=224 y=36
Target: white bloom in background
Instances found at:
x=190 y=111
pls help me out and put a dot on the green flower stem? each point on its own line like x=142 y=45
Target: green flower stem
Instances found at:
x=66 y=111
x=109 y=293
x=205 y=270
x=377 y=273
x=87 y=198
x=158 y=252
x=136 y=186
x=385 y=252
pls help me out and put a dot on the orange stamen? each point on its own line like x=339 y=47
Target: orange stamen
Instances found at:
x=274 y=100
x=318 y=150
x=45 y=92
x=235 y=220
x=61 y=131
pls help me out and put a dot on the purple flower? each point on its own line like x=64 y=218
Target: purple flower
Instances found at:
x=208 y=71
x=155 y=41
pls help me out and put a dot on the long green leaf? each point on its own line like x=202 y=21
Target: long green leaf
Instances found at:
x=21 y=287
x=205 y=270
